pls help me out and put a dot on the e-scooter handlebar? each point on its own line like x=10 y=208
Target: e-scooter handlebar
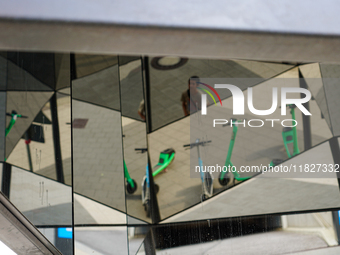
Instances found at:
x=291 y=106
x=15 y=113
x=191 y=145
x=141 y=150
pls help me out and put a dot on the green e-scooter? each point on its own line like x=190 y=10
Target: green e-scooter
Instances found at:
x=206 y=176
x=14 y=116
x=223 y=178
x=289 y=134
x=165 y=159
x=131 y=185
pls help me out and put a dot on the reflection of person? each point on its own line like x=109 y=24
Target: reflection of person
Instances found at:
x=141 y=110
x=191 y=98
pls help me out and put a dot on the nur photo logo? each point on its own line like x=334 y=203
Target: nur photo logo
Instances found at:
x=238 y=105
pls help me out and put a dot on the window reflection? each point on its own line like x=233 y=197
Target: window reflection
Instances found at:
x=111 y=148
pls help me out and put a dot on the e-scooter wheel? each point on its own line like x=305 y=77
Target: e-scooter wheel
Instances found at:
x=204 y=197
x=208 y=180
x=276 y=161
x=129 y=188
x=225 y=179
x=156 y=188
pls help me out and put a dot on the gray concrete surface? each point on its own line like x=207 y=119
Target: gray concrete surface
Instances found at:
x=97 y=155
x=100 y=88
x=104 y=240
x=321 y=251
x=41 y=200
x=177 y=31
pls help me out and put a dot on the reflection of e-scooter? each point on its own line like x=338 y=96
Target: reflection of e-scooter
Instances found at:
x=131 y=185
x=289 y=134
x=14 y=115
x=223 y=179
x=165 y=159
x=206 y=176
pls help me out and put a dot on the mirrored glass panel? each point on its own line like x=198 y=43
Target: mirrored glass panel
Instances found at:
x=38 y=134
x=238 y=145
x=31 y=137
x=64 y=119
x=287 y=234
x=89 y=211
x=27 y=71
x=131 y=85
x=60 y=237
x=177 y=191
x=312 y=75
x=330 y=78
x=43 y=201
x=2 y=125
x=99 y=192
x=287 y=194
x=97 y=154
x=231 y=165
x=1 y=164
x=136 y=235
x=261 y=69
x=101 y=240
x=35 y=177
x=3 y=71
x=96 y=80
x=227 y=151
x=135 y=160
x=241 y=145
x=169 y=81
x=62 y=72
x=134 y=141
x=87 y=64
